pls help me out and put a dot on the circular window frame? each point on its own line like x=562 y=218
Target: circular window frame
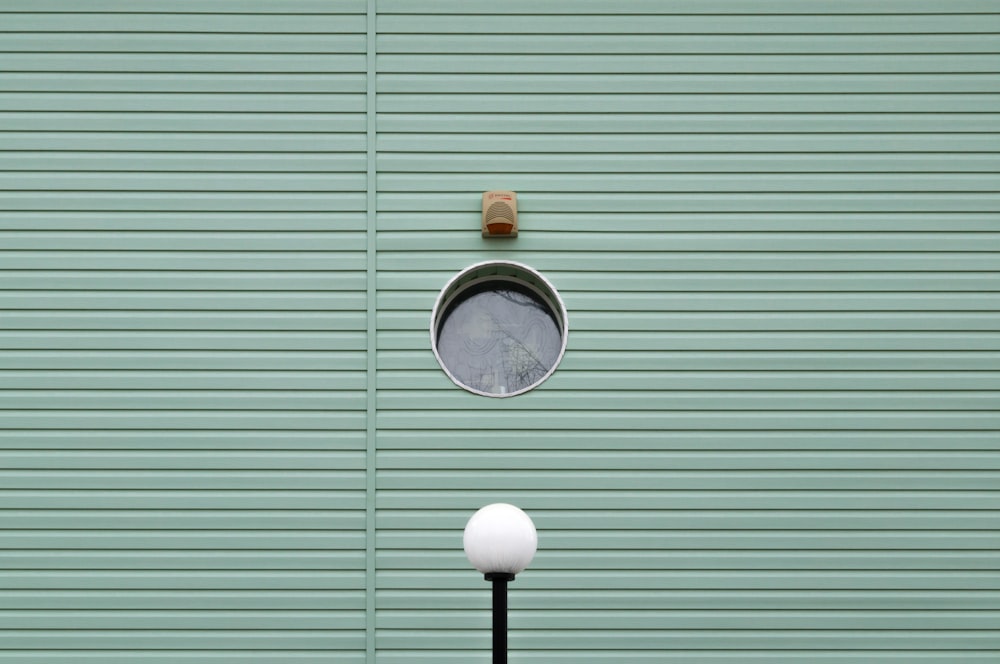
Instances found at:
x=500 y=271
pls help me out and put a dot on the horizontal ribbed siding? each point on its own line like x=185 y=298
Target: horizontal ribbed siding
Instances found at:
x=183 y=334
x=774 y=224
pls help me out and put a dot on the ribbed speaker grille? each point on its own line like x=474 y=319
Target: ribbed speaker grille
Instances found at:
x=499 y=211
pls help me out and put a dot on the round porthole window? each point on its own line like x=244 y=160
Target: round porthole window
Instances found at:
x=499 y=329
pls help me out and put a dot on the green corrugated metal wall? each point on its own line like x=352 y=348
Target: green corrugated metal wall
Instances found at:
x=183 y=371
x=776 y=227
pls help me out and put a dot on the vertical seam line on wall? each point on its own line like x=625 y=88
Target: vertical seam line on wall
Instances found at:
x=370 y=267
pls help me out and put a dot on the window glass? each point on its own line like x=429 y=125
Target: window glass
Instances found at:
x=499 y=335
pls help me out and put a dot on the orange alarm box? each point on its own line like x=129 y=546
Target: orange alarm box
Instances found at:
x=499 y=214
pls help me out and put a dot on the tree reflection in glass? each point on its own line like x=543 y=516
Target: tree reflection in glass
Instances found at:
x=498 y=338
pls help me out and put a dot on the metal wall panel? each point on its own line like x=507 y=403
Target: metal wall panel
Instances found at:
x=183 y=334
x=774 y=436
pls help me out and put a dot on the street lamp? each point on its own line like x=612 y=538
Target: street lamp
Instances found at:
x=500 y=540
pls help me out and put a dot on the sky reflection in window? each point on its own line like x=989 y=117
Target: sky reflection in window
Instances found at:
x=499 y=338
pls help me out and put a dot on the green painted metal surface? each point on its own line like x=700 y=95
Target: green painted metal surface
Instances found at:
x=775 y=435
x=183 y=375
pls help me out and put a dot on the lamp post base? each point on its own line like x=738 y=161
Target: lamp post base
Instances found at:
x=500 y=581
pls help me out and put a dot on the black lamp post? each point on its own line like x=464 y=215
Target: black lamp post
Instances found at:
x=500 y=540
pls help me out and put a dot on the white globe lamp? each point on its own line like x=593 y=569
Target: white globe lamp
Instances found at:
x=500 y=540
